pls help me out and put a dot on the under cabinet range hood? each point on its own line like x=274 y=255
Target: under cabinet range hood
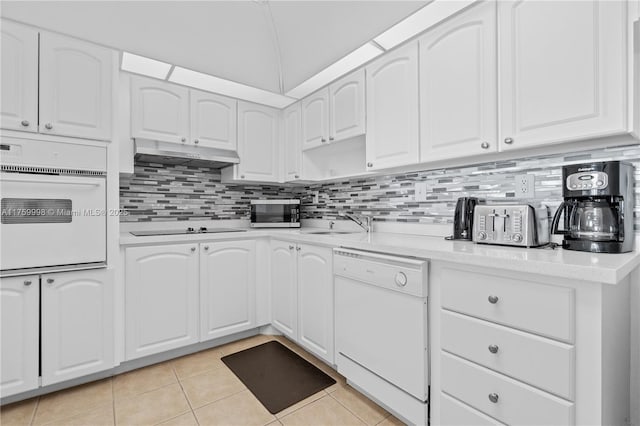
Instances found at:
x=188 y=155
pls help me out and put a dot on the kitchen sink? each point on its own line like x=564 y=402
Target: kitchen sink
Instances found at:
x=329 y=232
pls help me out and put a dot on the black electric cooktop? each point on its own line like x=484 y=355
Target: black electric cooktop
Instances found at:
x=202 y=230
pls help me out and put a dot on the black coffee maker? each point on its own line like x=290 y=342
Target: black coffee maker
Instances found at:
x=597 y=207
x=463 y=218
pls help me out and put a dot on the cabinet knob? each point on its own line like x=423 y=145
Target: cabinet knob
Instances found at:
x=493 y=299
x=484 y=145
x=27 y=282
x=331 y=138
x=25 y=123
x=206 y=247
x=369 y=164
x=297 y=176
x=183 y=140
x=241 y=176
x=291 y=247
x=493 y=397
x=493 y=349
x=196 y=141
x=323 y=140
x=193 y=249
x=48 y=126
x=508 y=141
x=50 y=280
x=298 y=248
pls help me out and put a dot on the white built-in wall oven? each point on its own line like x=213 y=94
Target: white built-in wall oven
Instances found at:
x=275 y=213
x=53 y=206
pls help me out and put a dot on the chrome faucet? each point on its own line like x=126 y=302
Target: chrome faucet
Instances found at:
x=362 y=221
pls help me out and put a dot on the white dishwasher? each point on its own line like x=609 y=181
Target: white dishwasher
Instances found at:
x=381 y=328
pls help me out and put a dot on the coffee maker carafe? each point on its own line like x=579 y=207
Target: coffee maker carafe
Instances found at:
x=597 y=207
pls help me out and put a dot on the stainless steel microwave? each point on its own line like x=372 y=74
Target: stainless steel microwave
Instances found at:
x=275 y=213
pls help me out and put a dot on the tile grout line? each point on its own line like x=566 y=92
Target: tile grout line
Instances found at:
x=113 y=401
x=35 y=409
x=351 y=411
x=193 y=413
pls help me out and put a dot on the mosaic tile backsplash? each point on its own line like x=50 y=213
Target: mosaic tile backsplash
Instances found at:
x=159 y=193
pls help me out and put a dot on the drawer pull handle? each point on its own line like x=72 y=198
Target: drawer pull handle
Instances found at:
x=493 y=349
x=493 y=299
x=493 y=397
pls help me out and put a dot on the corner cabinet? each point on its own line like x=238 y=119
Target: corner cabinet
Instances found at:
x=458 y=90
x=315 y=119
x=161 y=294
x=55 y=85
x=291 y=128
x=77 y=324
x=20 y=334
x=159 y=110
x=227 y=288
x=302 y=295
x=258 y=145
x=392 y=109
x=563 y=71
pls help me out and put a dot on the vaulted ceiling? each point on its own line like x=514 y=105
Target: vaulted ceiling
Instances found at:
x=272 y=45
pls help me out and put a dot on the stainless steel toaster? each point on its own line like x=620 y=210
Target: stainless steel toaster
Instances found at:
x=520 y=225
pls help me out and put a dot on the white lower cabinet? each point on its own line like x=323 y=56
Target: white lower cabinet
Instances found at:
x=77 y=324
x=227 y=288
x=19 y=303
x=302 y=295
x=496 y=357
x=161 y=298
x=59 y=323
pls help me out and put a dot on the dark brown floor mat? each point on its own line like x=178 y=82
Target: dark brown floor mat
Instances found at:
x=276 y=375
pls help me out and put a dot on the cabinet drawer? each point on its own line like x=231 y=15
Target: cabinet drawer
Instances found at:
x=455 y=413
x=516 y=403
x=539 y=308
x=541 y=362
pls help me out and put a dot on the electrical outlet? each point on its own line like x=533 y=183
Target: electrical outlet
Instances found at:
x=525 y=186
x=421 y=191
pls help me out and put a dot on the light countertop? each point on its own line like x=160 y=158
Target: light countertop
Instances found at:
x=590 y=267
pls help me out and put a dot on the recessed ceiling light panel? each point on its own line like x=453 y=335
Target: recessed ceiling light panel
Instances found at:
x=418 y=22
x=229 y=88
x=339 y=68
x=145 y=66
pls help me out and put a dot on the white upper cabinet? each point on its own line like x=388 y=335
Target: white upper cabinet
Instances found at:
x=291 y=118
x=392 y=109
x=346 y=107
x=562 y=71
x=19 y=110
x=77 y=324
x=75 y=88
x=159 y=110
x=19 y=311
x=227 y=288
x=258 y=140
x=315 y=119
x=213 y=120
x=458 y=93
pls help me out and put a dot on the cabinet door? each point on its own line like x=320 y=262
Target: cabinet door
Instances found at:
x=159 y=111
x=346 y=107
x=392 y=109
x=75 y=88
x=315 y=119
x=315 y=300
x=258 y=142
x=19 y=302
x=19 y=110
x=213 y=120
x=562 y=71
x=161 y=298
x=284 y=303
x=227 y=288
x=458 y=93
x=77 y=324
x=291 y=142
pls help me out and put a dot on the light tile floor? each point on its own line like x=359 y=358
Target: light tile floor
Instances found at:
x=195 y=389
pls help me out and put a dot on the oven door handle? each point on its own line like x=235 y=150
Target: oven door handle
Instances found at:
x=54 y=180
